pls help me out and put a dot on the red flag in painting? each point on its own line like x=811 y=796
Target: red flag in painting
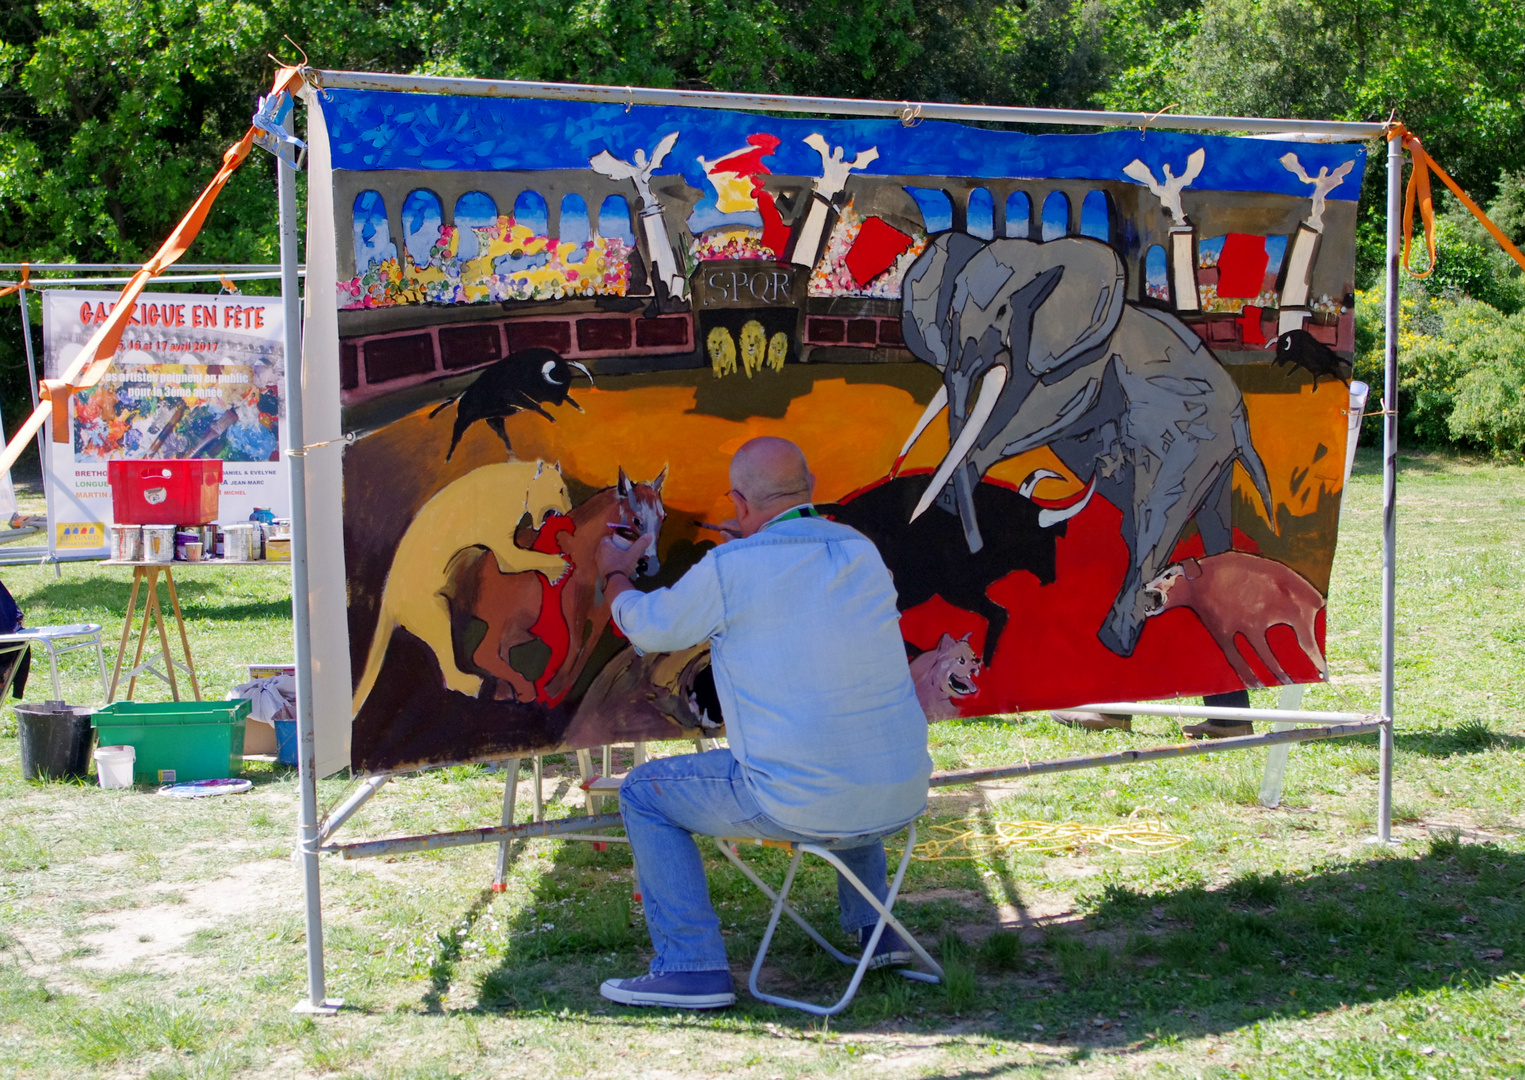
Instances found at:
x=1242 y=266
x=875 y=250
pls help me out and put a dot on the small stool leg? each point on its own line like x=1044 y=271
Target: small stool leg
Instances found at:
x=538 y=768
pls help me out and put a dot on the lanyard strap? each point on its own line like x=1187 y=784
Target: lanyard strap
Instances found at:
x=806 y=511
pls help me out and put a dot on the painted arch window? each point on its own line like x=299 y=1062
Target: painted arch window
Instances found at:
x=1096 y=216
x=936 y=208
x=1019 y=215
x=575 y=227
x=1056 y=216
x=531 y=212
x=614 y=220
x=473 y=210
x=980 y=217
x=422 y=218
x=1156 y=275
x=373 y=233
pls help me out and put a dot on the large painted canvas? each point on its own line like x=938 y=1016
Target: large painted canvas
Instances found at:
x=1087 y=393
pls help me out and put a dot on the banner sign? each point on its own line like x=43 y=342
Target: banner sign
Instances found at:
x=1087 y=393
x=196 y=377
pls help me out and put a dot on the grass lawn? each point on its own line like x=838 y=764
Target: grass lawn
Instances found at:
x=150 y=937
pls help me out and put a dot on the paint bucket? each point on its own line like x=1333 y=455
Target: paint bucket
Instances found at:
x=190 y=552
x=55 y=740
x=113 y=765
x=158 y=543
x=286 y=742
x=127 y=543
x=238 y=542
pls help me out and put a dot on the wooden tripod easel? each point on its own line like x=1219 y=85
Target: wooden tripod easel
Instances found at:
x=152 y=608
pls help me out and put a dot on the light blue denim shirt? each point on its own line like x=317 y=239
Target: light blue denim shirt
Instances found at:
x=812 y=676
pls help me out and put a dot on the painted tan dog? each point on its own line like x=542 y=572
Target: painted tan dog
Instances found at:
x=481 y=509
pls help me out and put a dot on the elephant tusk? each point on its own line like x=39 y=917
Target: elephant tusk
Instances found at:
x=990 y=391
x=1047 y=519
x=938 y=403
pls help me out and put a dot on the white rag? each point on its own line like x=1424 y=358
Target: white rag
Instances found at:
x=270 y=699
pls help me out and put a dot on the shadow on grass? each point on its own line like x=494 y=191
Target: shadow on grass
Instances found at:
x=1468 y=737
x=198 y=597
x=1157 y=966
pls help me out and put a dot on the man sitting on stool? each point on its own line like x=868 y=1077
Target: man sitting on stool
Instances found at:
x=827 y=741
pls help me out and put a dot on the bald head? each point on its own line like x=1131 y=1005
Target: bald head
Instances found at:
x=767 y=469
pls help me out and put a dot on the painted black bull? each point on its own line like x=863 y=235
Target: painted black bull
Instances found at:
x=929 y=556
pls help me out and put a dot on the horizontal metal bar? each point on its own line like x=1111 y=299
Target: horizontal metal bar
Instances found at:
x=488 y=835
x=44 y=284
x=922 y=110
x=955 y=777
x=68 y=268
x=1212 y=712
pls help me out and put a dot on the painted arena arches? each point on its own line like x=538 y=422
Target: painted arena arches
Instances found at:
x=973 y=334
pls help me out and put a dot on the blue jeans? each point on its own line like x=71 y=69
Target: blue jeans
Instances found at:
x=665 y=804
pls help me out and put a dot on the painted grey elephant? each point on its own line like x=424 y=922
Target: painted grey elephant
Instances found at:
x=1038 y=347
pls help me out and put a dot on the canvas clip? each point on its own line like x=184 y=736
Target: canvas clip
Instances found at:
x=910 y=117
x=301 y=451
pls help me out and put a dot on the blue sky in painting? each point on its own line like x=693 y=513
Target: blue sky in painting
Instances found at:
x=370 y=129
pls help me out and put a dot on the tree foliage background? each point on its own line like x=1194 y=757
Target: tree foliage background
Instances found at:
x=114 y=113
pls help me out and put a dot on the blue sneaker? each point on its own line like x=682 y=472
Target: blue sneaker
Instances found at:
x=892 y=951
x=675 y=989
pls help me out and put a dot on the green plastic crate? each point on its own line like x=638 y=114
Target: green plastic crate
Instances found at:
x=176 y=741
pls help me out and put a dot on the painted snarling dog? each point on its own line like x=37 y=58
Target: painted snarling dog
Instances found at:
x=1238 y=593
x=943 y=675
x=1038 y=347
x=483 y=511
x=536 y=635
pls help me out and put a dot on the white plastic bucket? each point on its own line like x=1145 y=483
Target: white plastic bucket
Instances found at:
x=113 y=765
x=158 y=543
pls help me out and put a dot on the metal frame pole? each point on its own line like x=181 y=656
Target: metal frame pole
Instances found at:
x=1389 y=491
x=307 y=763
x=31 y=370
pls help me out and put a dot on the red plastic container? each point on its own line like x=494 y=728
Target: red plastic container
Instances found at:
x=164 y=492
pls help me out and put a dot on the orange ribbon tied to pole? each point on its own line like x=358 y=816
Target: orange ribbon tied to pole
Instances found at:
x=17 y=286
x=95 y=358
x=1419 y=193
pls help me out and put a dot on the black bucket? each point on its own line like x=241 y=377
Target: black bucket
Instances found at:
x=55 y=740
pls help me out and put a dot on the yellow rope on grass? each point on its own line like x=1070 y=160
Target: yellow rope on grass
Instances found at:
x=970 y=838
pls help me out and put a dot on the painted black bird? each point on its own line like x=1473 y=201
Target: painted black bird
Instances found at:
x=1302 y=349
x=530 y=379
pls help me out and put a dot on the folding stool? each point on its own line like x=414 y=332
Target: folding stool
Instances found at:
x=781 y=906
